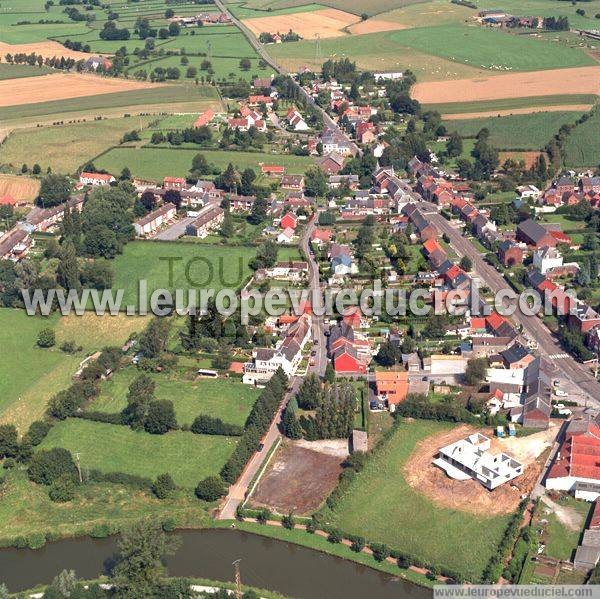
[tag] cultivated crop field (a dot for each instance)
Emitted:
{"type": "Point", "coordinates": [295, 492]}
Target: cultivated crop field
{"type": "Point", "coordinates": [62, 86]}
{"type": "Point", "coordinates": [583, 145]}
{"type": "Point", "coordinates": [194, 265]}
{"type": "Point", "coordinates": [520, 132]}
{"type": "Point", "coordinates": [114, 448]}
{"type": "Point", "coordinates": [20, 188]}
{"type": "Point", "coordinates": [155, 163]}
{"type": "Point", "coordinates": [65, 147]}
{"type": "Point", "coordinates": [227, 399]}
{"type": "Point", "coordinates": [380, 496]}
{"type": "Point", "coordinates": [10, 71]}
{"type": "Point", "coordinates": [166, 97]}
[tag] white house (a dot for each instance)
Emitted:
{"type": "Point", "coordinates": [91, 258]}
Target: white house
{"type": "Point", "coordinates": [96, 179]}
{"type": "Point", "coordinates": [471, 458]}
{"type": "Point", "coordinates": [286, 235]}
{"type": "Point", "coordinates": [287, 355]}
{"type": "Point", "coordinates": [547, 258]}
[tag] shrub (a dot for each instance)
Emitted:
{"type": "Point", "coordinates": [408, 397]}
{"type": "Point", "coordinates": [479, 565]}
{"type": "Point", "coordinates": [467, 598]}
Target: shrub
{"type": "Point", "coordinates": [358, 543]}
{"type": "Point", "coordinates": [62, 490]}
{"type": "Point", "coordinates": [210, 489]}
{"type": "Point", "coordinates": [335, 536]}
{"type": "Point", "coordinates": [380, 551]}
{"type": "Point", "coordinates": [46, 338]}
{"type": "Point", "coordinates": [160, 418]}
{"type": "Point", "coordinates": [288, 522]}
{"type": "Point", "coordinates": [121, 478]}
{"type": "Point", "coordinates": [8, 464]}
{"type": "Point", "coordinates": [207, 425]}
{"type": "Point", "coordinates": [37, 431]}
{"type": "Point", "coordinates": [49, 465]}
{"type": "Point", "coordinates": [163, 486]}
{"type": "Point", "coordinates": [100, 531]}
{"type": "Point", "coordinates": [263, 516]}
{"type": "Point", "coordinates": [36, 540]}
{"type": "Point", "coordinates": [9, 441]}
{"type": "Point", "coordinates": [169, 525]}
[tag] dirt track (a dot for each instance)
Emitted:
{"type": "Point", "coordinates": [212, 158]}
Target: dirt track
{"type": "Point", "coordinates": [46, 49]}
{"type": "Point", "coordinates": [327, 23]}
{"type": "Point", "coordinates": [583, 80]}
{"type": "Point", "coordinates": [530, 110]}
{"type": "Point", "coordinates": [469, 495]}
{"type": "Point", "coordinates": [61, 86]}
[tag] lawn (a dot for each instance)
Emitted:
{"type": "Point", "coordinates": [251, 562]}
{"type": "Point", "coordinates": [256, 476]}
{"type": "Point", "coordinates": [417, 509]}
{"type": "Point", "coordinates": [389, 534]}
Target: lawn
{"type": "Point", "coordinates": [582, 148]}
{"type": "Point", "coordinates": [30, 376]}
{"type": "Point", "coordinates": [223, 398]}
{"type": "Point", "coordinates": [65, 148]}
{"type": "Point", "coordinates": [156, 163]}
{"type": "Point", "coordinates": [516, 132]}
{"type": "Point", "coordinates": [382, 507]}
{"type": "Point", "coordinates": [167, 94]}
{"type": "Point", "coordinates": [560, 540]}
{"type": "Point", "coordinates": [490, 49]}
{"type": "Point", "coordinates": [26, 509]}
{"type": "Point", "coordinates": [194, 265]}
{"type": "Point", "coordinates": [112, 448]}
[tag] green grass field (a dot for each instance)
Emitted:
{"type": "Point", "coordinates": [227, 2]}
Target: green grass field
{"type": "Point", "coordinates": [382, 507]}
{"type": "Point", "coordinates": [194, 265]}
{"type": "Point", "coordinates": [223, 398]}
{"type": "Point", "coordinates": [26, 508]}
{"type": "Point", "coordinates": [583, 145]}
{"type": "Point", "coordinates": [65, 147]}
{"type": "Point", "coordinates": [18, 71]}
{"type": "Point", "coordinates": [490, 48]}
{"type": "Point", "coordinates": [516, 132]}
{"type": "Point", "coordinates": [30, 376]}
{"type": "Point", "coordinates": [112, 448]}
{"type": "Point", "coordinates": [166, 94]}
{"type": "Point", "coordinates": [156, 163]}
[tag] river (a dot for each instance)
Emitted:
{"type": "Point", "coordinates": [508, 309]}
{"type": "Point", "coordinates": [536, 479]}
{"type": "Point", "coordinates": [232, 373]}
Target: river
{"type": "Point", "coordinates": [290, 569]}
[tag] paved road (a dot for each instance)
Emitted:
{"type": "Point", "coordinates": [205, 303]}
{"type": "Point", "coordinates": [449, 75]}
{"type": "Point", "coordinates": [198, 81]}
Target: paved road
{"type": "Point", "coordinates": [329, 122]}
{"type": "Point", "coordinates": [176, 230]}
{"type": "Point", "coordinates": [237, 492]}
{"type": "Point", "coordinates": [548, 345]}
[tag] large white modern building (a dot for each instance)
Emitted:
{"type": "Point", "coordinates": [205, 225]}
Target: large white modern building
{"type": "Point", "coordinates": [471, 458]}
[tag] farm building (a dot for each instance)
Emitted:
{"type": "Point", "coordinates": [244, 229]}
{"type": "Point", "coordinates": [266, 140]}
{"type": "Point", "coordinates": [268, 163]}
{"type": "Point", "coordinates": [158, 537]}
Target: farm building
{"type": "Point", "coordinates": [533, 234]}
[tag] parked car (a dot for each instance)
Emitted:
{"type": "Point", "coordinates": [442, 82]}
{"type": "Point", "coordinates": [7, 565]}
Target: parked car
{"type": "Point", "coordinates": [560, 393]}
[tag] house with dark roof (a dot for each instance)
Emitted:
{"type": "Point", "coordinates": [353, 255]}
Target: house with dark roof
{"type": "Point", "coordinates": [533, 234]}
{"type": "Point", "coordinates": [516, 356]}
{"type": "Point", "coordinates": [510, 253]}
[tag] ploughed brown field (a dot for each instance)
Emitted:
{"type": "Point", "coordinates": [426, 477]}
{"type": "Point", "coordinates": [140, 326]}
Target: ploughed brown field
{"type": "Point", "coordinates": [20, 188]}
{"type": "Point", "coordinates": [509, 111]}
{"type": "Point", "coordinates": [46, 49]}
{"type": "Point", "coordinates": [297, 480]}
{"type": "Point", "coordinates": [581, 80]}
{"type": "Point", "coordinates": [30, 90]}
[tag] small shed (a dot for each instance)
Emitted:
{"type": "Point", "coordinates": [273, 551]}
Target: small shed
{"type": "Point", "coordinates": [360, 441]}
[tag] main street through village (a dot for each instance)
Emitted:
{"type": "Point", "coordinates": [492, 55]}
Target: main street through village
{"type": "Point", "coordinates": [578, 374]}
{"type": "Point", "coordinates": [239, 491]}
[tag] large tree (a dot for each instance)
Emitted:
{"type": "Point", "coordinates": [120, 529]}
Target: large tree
{"type": "Point", "coordinates": [54, 190]}
{"type": "Point", "coordinates": [139, 570]}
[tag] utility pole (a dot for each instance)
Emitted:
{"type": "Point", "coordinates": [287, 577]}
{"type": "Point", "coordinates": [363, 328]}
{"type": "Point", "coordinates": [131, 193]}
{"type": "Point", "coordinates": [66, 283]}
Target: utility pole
{"type": "Point", "coordinates": [238, 579]}
{"type": "Point", "coordinates": [77, 458]}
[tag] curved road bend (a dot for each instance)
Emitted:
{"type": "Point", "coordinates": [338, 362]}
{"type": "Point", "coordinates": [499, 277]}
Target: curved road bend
{"type": "Point", "coordinates": [548, 345]}
{"type": "Point", "coordinates": [237, 491]}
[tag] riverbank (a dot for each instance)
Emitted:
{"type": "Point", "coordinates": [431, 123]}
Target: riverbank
{"type": "Point", "coordinates": [266, 561]}
{"type": "Point", "coordinates": [318, 542]}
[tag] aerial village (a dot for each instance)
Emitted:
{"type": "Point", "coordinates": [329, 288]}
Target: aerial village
{"type": "Point", "coordinates": [520, 391]}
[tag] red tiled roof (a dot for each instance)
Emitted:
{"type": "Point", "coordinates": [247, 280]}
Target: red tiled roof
{"type": "Point", "coordinates": [8, 200]}
{"type": "Point", "coordinates": [561, 237]}
{"type": "Point", "coordinates": [494, 320]}
{"type": "Point", "coordinates": [205, 118]}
